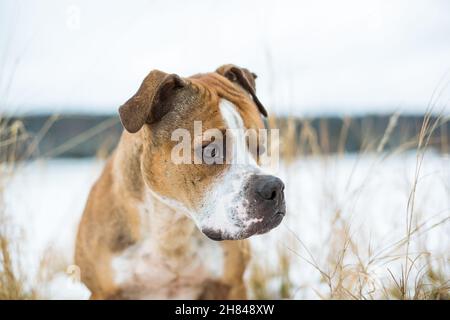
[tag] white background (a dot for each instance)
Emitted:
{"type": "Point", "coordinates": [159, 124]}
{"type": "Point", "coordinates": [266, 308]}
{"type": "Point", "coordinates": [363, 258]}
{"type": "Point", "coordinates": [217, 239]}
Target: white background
{"type": "Point", "coordinates": [312, 57]}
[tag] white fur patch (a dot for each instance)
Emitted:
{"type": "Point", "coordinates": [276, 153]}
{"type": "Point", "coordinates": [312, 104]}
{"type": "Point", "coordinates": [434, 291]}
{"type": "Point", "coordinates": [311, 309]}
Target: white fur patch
{"type": "Point", "coordinates": [148, 270]}
{"type": "Point", "coordinates": [225, 206]}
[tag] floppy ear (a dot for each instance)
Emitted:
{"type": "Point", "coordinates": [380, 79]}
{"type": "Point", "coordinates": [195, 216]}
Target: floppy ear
{"type": "Point", "coordinates": [149, 104]}
{"type": "Point", "coordinates": [245, 79]}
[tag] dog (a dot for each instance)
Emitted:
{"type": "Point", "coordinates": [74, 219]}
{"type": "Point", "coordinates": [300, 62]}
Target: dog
{"type": "Point", "coordinates": [148, 226]}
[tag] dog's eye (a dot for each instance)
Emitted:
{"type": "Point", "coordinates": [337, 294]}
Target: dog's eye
{"type": "Point", "coordinates": [213, 152]}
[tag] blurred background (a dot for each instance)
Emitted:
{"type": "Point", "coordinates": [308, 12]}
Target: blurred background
{"type": "Point", "coordinates": [359, 91]}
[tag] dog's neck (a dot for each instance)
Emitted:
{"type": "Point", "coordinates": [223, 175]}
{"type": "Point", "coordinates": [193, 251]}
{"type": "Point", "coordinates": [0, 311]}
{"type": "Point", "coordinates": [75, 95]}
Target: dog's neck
{"type": "Point", "coordinates": [169, 229]}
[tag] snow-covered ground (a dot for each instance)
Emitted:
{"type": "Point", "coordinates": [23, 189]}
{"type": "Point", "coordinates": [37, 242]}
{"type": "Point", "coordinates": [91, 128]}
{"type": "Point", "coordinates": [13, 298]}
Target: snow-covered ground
{"type": "Point", "coordinates": [367, 198]}
{"type": "Point", "coordinates": [368, 192]}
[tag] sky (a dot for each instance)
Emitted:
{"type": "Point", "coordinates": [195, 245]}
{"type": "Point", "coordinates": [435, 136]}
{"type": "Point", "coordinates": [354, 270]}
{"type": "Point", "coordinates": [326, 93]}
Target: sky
{"type": "Point", "coordinates": [311, 57]}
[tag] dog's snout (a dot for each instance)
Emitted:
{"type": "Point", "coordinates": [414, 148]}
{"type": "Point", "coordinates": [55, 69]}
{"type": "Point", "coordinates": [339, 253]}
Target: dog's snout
{"type": "Point", "coordinates": [266, 205]}
{"type": "Point", "coordinates": [270, 188]}
{"type": "Point", "coordinates": [266, 192]}
{"type": "Point", "coordinates": [261, 209]}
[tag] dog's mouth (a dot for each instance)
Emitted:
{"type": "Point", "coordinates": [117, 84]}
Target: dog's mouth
{"type": "Point", "coordinates": [270, 223]}
{"type": "Point", "coordinates": [216, 235]}
{"type": "Point", "coordinates": [256, 228]}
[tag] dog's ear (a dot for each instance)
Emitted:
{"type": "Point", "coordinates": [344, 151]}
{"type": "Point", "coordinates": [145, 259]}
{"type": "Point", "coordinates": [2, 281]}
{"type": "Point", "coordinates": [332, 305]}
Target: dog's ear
{"type": "Point", "coordinates": [150, 103]}
{"type": "Point", "coordinates": [245, 79]}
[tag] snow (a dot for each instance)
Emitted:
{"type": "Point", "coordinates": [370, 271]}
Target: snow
{"type": "Point", "coordinates": [46, 199]}
{"type": "Point", "coordinates": [371, 195]}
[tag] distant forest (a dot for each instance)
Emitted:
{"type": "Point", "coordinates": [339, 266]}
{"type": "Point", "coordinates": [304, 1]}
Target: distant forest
{"type": "Point", "coordinates": [77, 136]}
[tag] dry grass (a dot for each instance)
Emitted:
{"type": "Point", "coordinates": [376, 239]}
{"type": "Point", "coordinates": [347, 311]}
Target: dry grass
{"type": "Point", "coordinates": [12, 274]}
{"type": "Point", "coordinates": [346, 268]}
{"type": "Point", "coordinates": [13, 277]}
{"type": "Point", "coordinates": [346, 271]}
{"type": "Point", "coordinates": [261, 275]}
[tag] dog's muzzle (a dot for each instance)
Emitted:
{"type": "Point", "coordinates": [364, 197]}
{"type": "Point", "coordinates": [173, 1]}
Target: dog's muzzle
{"type": "Point", "coordinates": [264, 209]}
{"type": "Point", "coordinates": [267, 204]}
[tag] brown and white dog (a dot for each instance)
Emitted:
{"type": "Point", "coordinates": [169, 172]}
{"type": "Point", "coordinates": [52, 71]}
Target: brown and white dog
{"type": "Point", "coordinates": [142, 234]}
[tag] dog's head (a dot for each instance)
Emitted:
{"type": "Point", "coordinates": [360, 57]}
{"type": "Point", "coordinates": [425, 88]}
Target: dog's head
{"type": "Point", "coordinates": [227, 199]}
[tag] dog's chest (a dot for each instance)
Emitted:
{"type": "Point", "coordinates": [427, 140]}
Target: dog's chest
{"type": "Point", "coordinates": [144, 272]}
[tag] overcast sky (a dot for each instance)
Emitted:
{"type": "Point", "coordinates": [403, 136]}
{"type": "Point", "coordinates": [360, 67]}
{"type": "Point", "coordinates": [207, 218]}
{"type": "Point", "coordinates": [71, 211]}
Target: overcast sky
{"type": "Point", "coordinates": [312, 57]}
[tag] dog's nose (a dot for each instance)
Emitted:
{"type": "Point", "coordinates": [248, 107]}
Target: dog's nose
{"type": "Point", "coordinates": [265, 195]}
{"type": "Point", "coordinates": [270, 188]}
